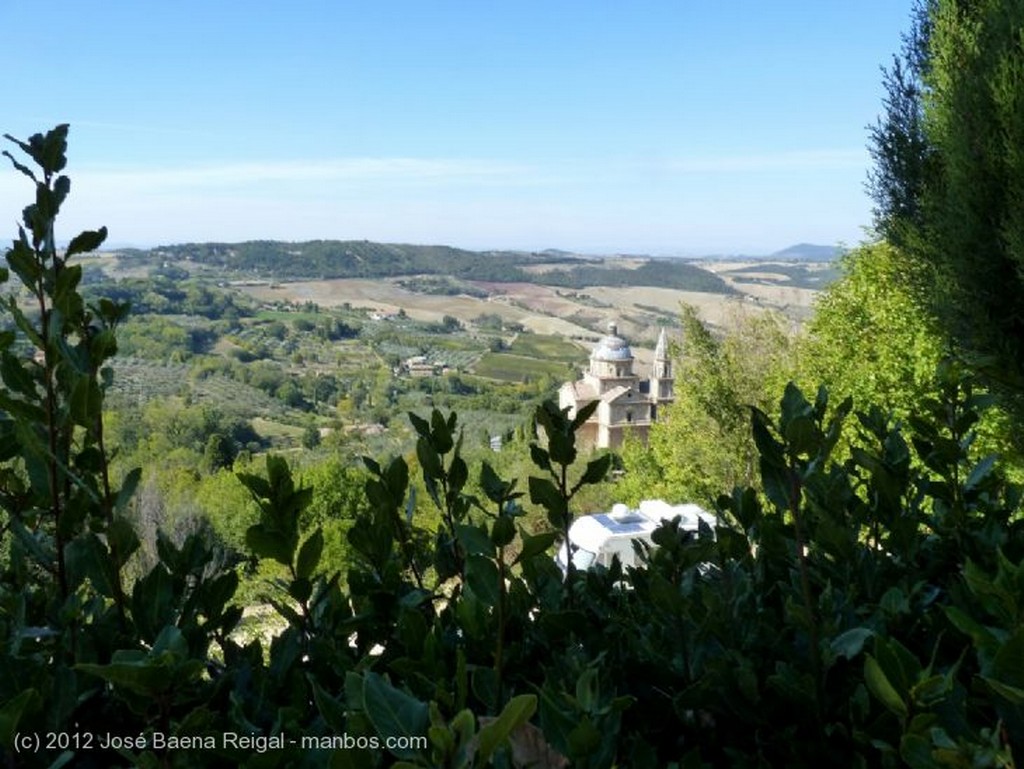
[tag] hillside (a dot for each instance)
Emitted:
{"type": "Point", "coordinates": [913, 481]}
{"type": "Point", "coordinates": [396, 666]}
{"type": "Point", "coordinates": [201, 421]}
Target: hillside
{"type": "Point", "coordinates": [329, 259]}
{"type": "Point", "coordinates": [807, 252]}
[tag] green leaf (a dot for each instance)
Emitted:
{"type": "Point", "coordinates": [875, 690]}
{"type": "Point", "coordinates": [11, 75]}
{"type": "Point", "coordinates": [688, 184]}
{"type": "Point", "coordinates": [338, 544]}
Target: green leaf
{"type": "Point", "coordinates": [556, 721]}
{"type": "Point", "coordinates": [485, 685]}
{"type": "Point", "coordinates": [1013, 694]}
{"type": "Point", "coordinates": [50, 150]}
{"type": "Point", "coordinates": [503, 531]}
{"type": "Point", "coordinates": [980, 472]}
{"type": "Point", "coordinates": [458, 473]}
{"type": "Point", "coordinates": [596, 470]}
{"type": "Point", "coordinates": [146, 678]}
{"type": "Point", "coordinates": [152, 599]}
{"type": "Point", "coordinates": [1008, 664]}
{"type": "Point", "coordinates": [86, 556]}
{"type": "Point", "coordinates": [332, 711]}
{"type": "Point", "coordinates": [535, 545]}
{"type": "Point", "coordinates": [86, 241]}
{"type": "Point", "coordinates": [916, 751]}
{"type": "Point", "coordinates": [309, 555]}
{"type": "Point", "coordinates": [27, 700]}
{"type": "Point", "coordinates": [584, 739]}
{"type": "Point", "coordinates": [482, 577]}
{"type": "Point", "coordinates": [801, 435]}
{"type": "Point", "coordinates": [122, 539]}
{"type": "Point", "coordinates": [562, 448]}
{"type": "Point", "coordinates": [881, 687]}
{"type": "Point", "coordinates": [794, 406]}
{"type": "Point", "coordinates": [441, 436]}
{"type": "Point", "coordinates": [517, 712]}
{"type": "Point", "coordinates": [300, 589]}
{"type": "Point", "coordinates": [170, 640]}
{"type": "Point", "coordinates": [768, 447]}
{"type": "Point", "coordinates": [65, 291]}
{"type": "Point", "coordinates": [931, 691]}
{"type": "Point", "coordinates": [982, 636]}
{"type": "Point", "coordinates": [586, 689]}
{"type": "Point", "coordinates": [420, 424]}
{"type": "Point", "coordinates": [16, 376]}
{"type": "Point", "coordinates": [19, 166]}
{"type": "Point", "coordinates": [474, 540]}
{"type": "Point", "coordinates": [86, 401]}
{"type": "Point", "coordinates": [777, 484]}
{"type": "Point", "coordinates": [257, 486]}
{"type": "Point", "coordinates": [540, 457]}
{"type": "Point", "coordinates": [23, 323]}
{"type": "Point", "coordinates": [396, 478]}
{"type": "Point", "coordinates": [584, 413]}
{"type": "Point", "coordinates": [394, 714]}
{"type": "Point", "coordinates": [429, 459]}
{"type": "Point", "coordinates": [265, 544]}
{"type": "Point", "coordinates": [850, 643]}
{"type": "Point", "coordinates": [493, 486]}
{"type": "Point", "coordinates": [543, 492]}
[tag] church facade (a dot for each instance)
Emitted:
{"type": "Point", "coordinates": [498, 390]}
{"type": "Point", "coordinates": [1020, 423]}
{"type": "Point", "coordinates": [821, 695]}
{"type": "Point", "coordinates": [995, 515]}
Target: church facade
{"type": "Point", "coordinates": [626, 403]}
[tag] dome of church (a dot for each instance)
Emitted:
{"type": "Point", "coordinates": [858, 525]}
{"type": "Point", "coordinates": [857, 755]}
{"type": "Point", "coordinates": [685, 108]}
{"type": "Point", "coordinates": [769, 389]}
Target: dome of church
{"type": "Point", "coordinates": [612, 347]}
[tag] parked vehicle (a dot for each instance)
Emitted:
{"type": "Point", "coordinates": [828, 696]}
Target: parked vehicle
{"type": "Point", "coordinates": [600, 537]}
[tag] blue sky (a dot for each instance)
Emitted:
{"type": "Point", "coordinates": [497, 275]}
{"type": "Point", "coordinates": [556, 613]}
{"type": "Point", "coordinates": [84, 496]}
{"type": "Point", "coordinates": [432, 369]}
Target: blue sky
{"type": "Point", "coordinates": [661, 127]}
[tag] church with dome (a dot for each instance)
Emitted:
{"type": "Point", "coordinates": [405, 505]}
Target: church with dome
{"type": "Point", "coordinates": [626, 403]}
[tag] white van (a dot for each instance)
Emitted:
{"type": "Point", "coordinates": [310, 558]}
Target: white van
{"type": "Point", "coordinates": [599, 538]}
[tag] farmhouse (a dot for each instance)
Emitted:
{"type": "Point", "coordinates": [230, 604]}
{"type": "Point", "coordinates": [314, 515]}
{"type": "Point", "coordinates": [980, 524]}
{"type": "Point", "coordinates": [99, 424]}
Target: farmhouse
{"type": "Point", "coordinates": [419, 366]}
{"type": "Point", "coordinates": [626, 402]}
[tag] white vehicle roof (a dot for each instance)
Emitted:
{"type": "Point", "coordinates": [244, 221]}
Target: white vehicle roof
{"type": "Point", "coordinates": [592, 532]}
{"type": "Point", "coordinates": [690, 514]}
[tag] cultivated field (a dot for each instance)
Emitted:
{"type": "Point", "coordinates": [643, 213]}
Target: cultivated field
{"type": "Point", "coordinates": [581, 315]}
{"type": "Point", "coordinates": [537, 308]}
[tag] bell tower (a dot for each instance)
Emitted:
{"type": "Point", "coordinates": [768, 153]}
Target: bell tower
{"type": "Point", "coordinates": [661, 376]}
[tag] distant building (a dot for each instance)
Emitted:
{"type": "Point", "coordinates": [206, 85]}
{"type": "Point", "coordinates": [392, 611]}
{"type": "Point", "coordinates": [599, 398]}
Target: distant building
{"type": "Point", "coordinates": [626, 402]}
{"type": "Point", "coordinates": [419, 366]}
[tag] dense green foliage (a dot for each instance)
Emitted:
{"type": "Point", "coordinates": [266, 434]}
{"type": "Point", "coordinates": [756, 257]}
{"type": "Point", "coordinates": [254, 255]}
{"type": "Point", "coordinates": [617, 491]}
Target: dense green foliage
{"type": "Point", "coordinates": [701, 443]}
{"type": "Point", "coordinates": [872, 336]}
{"type": "Point", "coordinates": [948, 178]}
{"type": "Point", "coordinates": [660, 273]}
{"type": "Point", "coordinates": [161, 295]}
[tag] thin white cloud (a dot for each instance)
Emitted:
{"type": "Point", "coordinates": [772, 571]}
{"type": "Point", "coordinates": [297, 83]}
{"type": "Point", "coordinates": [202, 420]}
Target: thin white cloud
{"type": "Point", "coordinates": [796, 160]}
{"type": "Point", "coordinates": [653, 202]}
{"type": "Point", "coordinates": [362, 170]}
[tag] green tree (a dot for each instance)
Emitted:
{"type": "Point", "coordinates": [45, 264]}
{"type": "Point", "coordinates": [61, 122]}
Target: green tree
{"type": "Point", "coordinates": [218, 453]}
{"type": "Point", "coordinates": [872, 337]}
{"type": "Point", "coordinates": [949, 179]}
{"type": "Point", "coordinates": [311, 436]}
{"type": "Point", "coordinates": [701, 446]}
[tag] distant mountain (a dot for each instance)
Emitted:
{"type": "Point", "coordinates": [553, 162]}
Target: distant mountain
{"type": "Point", "coordinates": [808, 252]}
